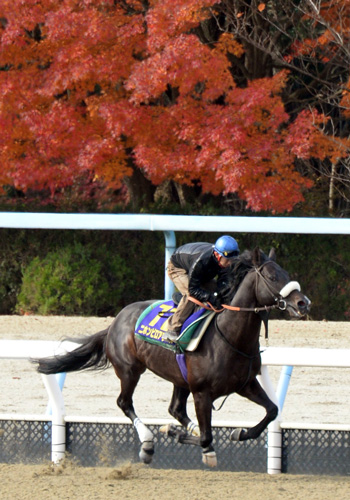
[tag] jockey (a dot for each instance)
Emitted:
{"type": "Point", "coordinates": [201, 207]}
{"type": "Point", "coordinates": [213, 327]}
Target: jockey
{"type": "Point", "coordinates": [192, 268]}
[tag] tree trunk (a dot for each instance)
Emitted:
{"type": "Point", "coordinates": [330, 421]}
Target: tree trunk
{"type": "Point", "coordinates": [331, 190]}
{"type": "Point", "coordinates": [141, 190]}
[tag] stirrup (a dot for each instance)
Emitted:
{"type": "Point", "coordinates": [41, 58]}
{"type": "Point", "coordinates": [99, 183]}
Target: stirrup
{"type": "Point", "coordinates": [171, 336]}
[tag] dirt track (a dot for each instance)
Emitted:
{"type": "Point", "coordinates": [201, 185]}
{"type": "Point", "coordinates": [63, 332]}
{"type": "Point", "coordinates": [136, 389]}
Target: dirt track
{"type": "Point", "coordinates": [135, 482]}
{"type": "Point", "coordinates": [315, 395]}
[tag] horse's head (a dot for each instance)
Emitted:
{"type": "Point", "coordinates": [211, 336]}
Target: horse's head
{"type": "Point", "coordinates": [273, 286]}
{"type": "Point", "coordinates": [271, 283]}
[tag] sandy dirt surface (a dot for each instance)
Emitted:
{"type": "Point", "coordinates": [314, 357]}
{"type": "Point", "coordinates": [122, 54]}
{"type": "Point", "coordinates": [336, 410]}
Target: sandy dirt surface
{"type": "Point", "coordinates": [315, 396]}
{"type": "Point", "coordinates": [135, 482]}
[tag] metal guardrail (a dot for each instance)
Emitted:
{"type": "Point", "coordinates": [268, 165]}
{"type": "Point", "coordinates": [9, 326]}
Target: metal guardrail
{"type": "Point", "coordinates": [103, 442]}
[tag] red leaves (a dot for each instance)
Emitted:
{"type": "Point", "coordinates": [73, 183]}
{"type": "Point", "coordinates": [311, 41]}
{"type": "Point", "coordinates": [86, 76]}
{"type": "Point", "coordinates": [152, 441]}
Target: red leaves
{"type": "Point", "coordinates": [168, 19]}
{"type": "Point", "coordinates": [306, 138]}
{"type": "Point", "coordinates": [233, 148]}
{"type": "Point", "coordinates": [102, 83]}
{"type": "Point", "coordinates": [183, 63]}
{"type": "Point", "coordinates": [345, 101]}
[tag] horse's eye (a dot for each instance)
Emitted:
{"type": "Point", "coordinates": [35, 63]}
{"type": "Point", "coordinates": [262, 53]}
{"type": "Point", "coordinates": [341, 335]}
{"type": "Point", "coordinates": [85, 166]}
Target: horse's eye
{"type": "Point", "coordinates": [272, 278]}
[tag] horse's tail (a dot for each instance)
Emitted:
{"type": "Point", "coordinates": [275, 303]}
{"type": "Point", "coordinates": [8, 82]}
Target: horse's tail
{"type": "Point", "coordinates": [91, 353]}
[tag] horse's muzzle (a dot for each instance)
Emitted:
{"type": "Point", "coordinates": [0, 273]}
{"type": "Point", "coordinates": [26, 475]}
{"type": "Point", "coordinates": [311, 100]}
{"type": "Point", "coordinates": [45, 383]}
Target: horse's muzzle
{"type": "Point", "coordinates": [298, 304]}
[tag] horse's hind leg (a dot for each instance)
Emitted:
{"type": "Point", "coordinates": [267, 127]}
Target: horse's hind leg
{"type": "Point", "coordinates": [129, 382]}
{"type": "Point", "coordinates": [203, 404]}
{"type": "Point", "coordinates": [178, 410]}
{"type": "Point", "coordinates": [254, 392]}
{"type": "Point", "coordinates": [203, 438]}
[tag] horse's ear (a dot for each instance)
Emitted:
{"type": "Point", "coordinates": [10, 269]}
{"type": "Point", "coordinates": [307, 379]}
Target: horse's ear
{"type": "Point", "coordinates": [272, 254]}
{"type": "Point", "coordinates": [256, 256]}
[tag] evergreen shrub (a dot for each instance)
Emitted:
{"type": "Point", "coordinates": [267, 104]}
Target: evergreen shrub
{"type": "Point", "coordinates": [73, 280]}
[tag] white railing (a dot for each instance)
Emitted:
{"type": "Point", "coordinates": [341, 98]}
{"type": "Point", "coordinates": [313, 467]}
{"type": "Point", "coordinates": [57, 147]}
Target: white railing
{"type": "Point", "coordinates": [171, 223]}
{"type": "Point", "coordinates": [288, 357]}
{"type": "Point", "coordinates": [162, 222]}
{"type": "Point", "coordinates": [271, 356]}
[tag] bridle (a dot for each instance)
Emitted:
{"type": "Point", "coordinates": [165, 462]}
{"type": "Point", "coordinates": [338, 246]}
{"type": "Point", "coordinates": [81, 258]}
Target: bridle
{"type": "Point", "coordinates": [278, 296]}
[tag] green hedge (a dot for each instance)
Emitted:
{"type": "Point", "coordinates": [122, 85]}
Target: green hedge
{"type": "Point", "coordinates": [77, 272]}
{"type": "Point", "coordinates": [71, 279]}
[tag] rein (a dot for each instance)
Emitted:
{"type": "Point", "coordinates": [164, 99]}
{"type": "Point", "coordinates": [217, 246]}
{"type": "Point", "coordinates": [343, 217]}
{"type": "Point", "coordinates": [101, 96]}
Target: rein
{"type": "Point", "coordinates": [252, 309]}
{"type": "Point", "coordinates": [210, 307]}
{"type": "Point", "coordinates": [263, 311]}
{"type": "Point", "coordinates": [280, 303]}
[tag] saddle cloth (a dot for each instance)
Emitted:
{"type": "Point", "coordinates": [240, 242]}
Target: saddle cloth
{"type": "Point", "coordinates": [153, 323]}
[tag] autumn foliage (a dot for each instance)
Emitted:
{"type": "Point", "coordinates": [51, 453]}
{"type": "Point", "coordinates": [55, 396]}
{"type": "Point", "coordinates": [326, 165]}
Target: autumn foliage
{"type": "Point", "coordinates": [106, 87]}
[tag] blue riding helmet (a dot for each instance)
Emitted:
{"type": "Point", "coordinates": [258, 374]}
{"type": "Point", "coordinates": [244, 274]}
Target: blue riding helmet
{"type": "Point", "coordinates": [227, 247]}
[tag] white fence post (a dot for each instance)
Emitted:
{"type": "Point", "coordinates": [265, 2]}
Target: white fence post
{"type": "Point", "coordinates": [274, 431]}
{"type": "Point", "coordinates": [170, 247]}
{"type": "Point", "coordinates": [58, 443]}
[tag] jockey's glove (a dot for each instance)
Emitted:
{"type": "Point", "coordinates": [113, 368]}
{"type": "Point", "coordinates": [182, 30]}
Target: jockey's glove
{"type": "Point", "coordinates": [214, 300]}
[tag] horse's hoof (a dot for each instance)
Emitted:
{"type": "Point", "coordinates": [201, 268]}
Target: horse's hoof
{"type": "Point", "coordinates": [145, 456]}
{"type": "Point", "coordinates": [169, 429]}
{"type": "Point", "coordinates": [209, 458]}
{"type": "Point", "coordinates": [146, 452]}
{"type": "Point", "coordinates": [164, 429]}
{"type": "Point", "coordinates": [236, 435]}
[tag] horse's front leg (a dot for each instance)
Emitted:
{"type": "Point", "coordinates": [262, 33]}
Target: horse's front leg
{"type": "Point", "coordinates": [203, 406]}
{"type": "Point", "coordinates": [254, 392]}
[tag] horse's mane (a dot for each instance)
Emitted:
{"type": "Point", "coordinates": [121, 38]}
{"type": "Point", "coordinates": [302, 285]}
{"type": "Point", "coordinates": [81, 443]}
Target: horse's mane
{"type": "Point", "coordinates": [238, 271]}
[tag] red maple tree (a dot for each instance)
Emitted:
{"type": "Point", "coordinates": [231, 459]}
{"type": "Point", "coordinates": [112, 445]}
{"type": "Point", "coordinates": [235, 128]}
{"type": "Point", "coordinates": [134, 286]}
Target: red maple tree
{"type": "Point", "coordinates": [105, 87]}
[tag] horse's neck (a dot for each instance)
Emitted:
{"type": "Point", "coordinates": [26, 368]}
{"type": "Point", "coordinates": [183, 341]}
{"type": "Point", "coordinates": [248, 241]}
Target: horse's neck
{"type": "Point", "coordinates": [242, 327]}
{"type": "Point", "coordinates": [245, 295]}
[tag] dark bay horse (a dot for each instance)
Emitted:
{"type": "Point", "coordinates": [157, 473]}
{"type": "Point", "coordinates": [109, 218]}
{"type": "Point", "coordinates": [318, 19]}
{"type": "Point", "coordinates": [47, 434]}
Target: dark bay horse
{"type": "Point", "coordinates": [227, 359]}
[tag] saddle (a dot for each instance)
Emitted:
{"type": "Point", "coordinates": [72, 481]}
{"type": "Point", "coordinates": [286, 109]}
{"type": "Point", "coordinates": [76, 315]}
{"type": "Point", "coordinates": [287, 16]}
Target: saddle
{"type": "Point", "coordinates": [153, 323]}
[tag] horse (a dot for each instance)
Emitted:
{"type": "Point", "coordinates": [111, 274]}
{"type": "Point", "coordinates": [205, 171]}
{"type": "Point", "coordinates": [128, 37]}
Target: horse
{"type": "Point", "coordinates": [227, 359]}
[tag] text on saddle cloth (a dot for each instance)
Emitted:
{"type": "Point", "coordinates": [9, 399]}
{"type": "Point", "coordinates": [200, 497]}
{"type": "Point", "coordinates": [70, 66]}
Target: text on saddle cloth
{"type": "Point", "coordinates": [153, 323]}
